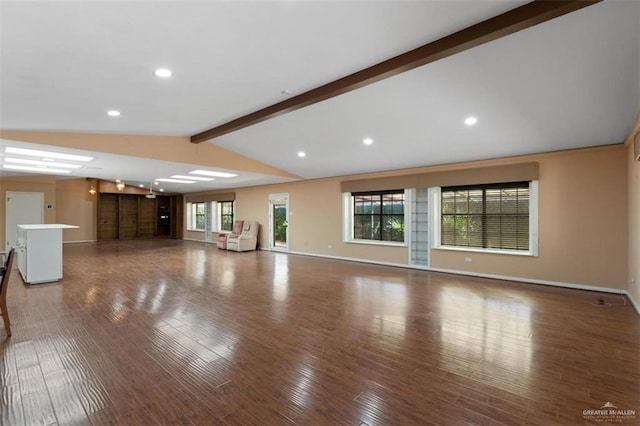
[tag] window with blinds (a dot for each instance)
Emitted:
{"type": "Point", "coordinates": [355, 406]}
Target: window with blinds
{"type": "Point", "coordinates": [492, 216]}
{"type": "Point", "coordinates": [225, 219]}
{"type": "Point", "coordinates": [196, 216]}
{"type": "Point", "coordinates": [378, 215]}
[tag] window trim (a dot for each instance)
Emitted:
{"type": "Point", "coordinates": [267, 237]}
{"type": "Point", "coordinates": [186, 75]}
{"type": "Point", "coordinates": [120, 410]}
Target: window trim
{"type": "Point", "coordinates": [347, 222]}
{"type": "Point", "coordinates": [192, 217]}
{"type": "Point", "coordinates": [219, 216]}
{"type": "Point", "coordinates": [436, 241]}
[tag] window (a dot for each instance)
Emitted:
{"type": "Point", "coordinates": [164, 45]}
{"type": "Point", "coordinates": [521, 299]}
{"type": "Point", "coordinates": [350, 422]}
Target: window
{"type": "Point", "coordinates": [495, 216]}
{"type": "Point", "coordinates": [225, 215]}
{"type": "Point", "coordinates": [196, 216]}
{"type": "Point", "coordinates": [379, 215]}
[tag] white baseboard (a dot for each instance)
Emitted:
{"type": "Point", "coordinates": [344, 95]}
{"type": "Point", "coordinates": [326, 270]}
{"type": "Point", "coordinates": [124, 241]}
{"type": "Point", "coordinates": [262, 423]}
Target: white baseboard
{"type": "Point", "coordinates": [200, 241]}
{"type": "Point", "coordinates": [79, 241]}
{"type": "Point", "coordinates": [634, 302]}
{"type": "Point", "coordinates": [481, 275]}
{"type": "Point", "coordinates": [192, 239]}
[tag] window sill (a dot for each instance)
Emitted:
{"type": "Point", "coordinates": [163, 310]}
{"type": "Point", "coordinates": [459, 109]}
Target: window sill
{"type": "Point", "coordinates": [490, 251]}
{"type": "Point", "coordinates": [195, 230]}
{"type": "Point", "coordinates": [376, 243]}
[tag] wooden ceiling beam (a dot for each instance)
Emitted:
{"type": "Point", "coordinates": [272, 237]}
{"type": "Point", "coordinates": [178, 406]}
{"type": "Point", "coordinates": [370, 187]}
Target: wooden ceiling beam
{"type": "Point", "coordinates": [515, 20]}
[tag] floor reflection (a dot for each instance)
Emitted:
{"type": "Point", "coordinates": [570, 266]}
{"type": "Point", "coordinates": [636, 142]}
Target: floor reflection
{"type": "Point", "coordinates": [280, 277]}
{"type": "Point", "coordinates": [90, 295]}
{"type": "Point", "coordinates": [280, 286]}
{"type": "Point", "coordinates": [195, 263]}
{"type": "Point", "coordinates": [156, 302]}
{"type": "Point", "coordinates": [304, 382]}
{"type": "Point", "coordinates": [494, 333]}
{"type": "Point", "coordinates": [227, 280]}
{"type": "Point", "coordinates": [174, 332]}
{"type": "Point", "coordinates": [386, 302]}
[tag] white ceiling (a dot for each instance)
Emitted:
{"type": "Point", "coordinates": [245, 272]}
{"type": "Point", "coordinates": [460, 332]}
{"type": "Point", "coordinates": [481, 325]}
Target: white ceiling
{"type": "Point", "coordinates": [568, 83]}
{"type": "Point", "coordinates": [137, 171]}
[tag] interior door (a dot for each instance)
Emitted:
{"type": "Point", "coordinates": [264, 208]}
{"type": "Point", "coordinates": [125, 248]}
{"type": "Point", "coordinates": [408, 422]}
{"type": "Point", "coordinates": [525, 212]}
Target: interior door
{"type": "Point", "coordinates": [279, 222]}
{"type": "Point", "coordinates": [22, 208]}
{"type": "Point", "coordinates": [128, 218]}
{"type": "Point", "coordinates": [108, 217]}
{"type": "Point", "coordinates": [146, 217]}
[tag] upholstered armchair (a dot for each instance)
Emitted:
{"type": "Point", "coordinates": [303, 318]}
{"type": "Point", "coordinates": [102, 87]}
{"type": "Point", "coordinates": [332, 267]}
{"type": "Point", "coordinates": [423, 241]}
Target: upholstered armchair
{"type": "Point", "coordinates": [248, 238]}
{"type": "Point", "coordinates": [222, 238]}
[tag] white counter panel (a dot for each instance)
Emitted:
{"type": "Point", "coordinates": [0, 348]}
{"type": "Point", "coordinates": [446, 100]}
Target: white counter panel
{"type": "Point", "coordinates": [39, 252]}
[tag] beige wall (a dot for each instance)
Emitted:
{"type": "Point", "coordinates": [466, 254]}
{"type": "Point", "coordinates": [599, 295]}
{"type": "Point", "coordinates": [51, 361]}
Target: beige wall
{"type": "Point", "coordinates": [634, 221]}
{"type": "Point", "coordinates": [582, 222]}
{"type": "Point", "coordinates": [315, 222]}
{"type": "Point", "coordinates": [166, 148]}
{"type": "Point", "coordinates": [584, 219]}
{"type": "Point", "coordinates": [70, 198]}
{"type": "Point", "coordinates": [75, 206]}
{"type": "Point", "coordinates": [44, 184]}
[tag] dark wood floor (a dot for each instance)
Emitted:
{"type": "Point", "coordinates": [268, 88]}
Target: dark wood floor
{"type": "Point", "coordinates": [174, 332]}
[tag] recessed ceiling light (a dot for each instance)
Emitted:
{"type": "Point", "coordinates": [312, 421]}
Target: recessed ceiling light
{"type": "Point", "coordinates": [41, 163]}
{"type": "Point", "coordinates": [161, 190]}
{"type": "Point", "coordinates": [367, 141]}
{"type": "Point", "coordinates": [203, 179]}
{"type": "Point", "coordinates": [470, 121]}
{"type": "Point", "coordinates": [175, 180]}
{"type": "Point", "coordinates": [216, 174]}
{"type": "Point", "coordinates": [301, 154]}
{"type": "Point", "coordinates": [141, 186]}
{"type": "Point", "coordinates": [37, 169]}
{"type": "Point", "coordinates": [156, 183]}
{"type": "Point", "coordinates": [286, 92]}
{"type": "Point", "coordinates": [163, 73]}
{"type": "Point", "coordinates": [113, 113]}
{"type": "Point", "coordinates": [46, 154]}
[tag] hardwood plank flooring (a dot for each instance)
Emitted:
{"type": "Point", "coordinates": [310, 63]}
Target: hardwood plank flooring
{"type": "Point", "coordinates": [178, 332]}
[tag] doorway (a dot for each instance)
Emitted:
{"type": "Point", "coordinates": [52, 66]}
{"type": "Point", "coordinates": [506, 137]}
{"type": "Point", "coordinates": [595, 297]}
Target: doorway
{"type": "Point", "coordinates": [279, 222]}
{"type": "Point", "coordinates": [22, 208]}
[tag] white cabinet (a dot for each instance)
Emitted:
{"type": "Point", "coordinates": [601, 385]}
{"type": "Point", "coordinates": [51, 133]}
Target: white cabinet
{"type": "Point", "coordinates": [39, 252]}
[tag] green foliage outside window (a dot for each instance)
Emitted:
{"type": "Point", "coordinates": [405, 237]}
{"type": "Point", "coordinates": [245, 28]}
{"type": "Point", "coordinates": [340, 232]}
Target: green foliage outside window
{"type": "Point", "coordinates": [199, 215]}
{"type": "Point", "coordinates": [226, 215]}
{"type": "Point", "coordinates": [379, 216]}
{"type": "Point", "coordinates": [280, 220]}
{"type": "Point", "coordinates": [489, 216]}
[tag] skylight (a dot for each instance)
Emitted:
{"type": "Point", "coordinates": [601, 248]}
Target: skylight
{"type": "Point", "coordinates": [208, 173]}
{"type": "Point", "coordinates": [35, 169]}
{"type": "Point", "coordinates": [41, 163]}
{"type": "Point", "coordinates": [46, 154]}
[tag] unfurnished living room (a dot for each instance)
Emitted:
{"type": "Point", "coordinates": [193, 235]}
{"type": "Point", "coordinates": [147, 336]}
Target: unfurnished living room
{"type": "Point", "coordinates": [320, 212]}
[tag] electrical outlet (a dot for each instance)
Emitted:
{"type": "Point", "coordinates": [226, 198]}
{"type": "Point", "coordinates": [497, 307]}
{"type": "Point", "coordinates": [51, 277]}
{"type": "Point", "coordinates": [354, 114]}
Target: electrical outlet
{"type": "Point", "coordinates": [467, 259]}
{"type": "Point", "coordinates": [329, 246]}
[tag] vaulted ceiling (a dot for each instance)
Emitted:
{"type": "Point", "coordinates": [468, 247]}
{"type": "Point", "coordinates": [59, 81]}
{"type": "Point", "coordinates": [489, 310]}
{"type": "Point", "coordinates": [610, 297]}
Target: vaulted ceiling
{"type": "Point", "coordinates": [570, 82]}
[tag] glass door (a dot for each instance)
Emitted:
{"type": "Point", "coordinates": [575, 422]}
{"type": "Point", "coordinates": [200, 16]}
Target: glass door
{"type": "Point", "coordinates": [279, 222]}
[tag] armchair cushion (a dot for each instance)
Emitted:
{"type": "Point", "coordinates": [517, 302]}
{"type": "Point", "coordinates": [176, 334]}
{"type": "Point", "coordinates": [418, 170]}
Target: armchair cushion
{"type": "Point", "coordinates": [222, 238]}
{"type": "Point", "coordinates": [248, 238]}
{"type": "Point", "coordinates": [222, 241]}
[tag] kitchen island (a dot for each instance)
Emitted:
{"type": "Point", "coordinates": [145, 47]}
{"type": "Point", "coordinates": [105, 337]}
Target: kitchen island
{"type": "Point", "coordinates": [39, 252]}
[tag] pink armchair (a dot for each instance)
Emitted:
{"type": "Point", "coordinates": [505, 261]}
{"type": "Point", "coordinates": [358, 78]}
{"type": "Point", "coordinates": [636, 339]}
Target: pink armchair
{"type": "Point", "coordinates": [222, 238]}
{"type": "Point", "coordinates": [247, 240]}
